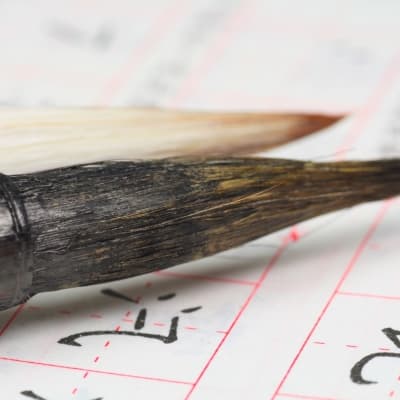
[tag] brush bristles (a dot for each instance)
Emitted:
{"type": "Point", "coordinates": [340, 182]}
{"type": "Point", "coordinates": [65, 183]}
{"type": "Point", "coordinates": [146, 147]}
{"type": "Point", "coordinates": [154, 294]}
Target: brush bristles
{"type": "Point", "coordinates": [39, 139]}
{"type": "Point", "coordinates": [115, 220]}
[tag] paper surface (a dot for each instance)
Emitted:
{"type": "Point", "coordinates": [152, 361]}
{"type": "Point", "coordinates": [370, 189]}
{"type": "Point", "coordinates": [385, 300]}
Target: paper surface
{"type": "Point", "coordinates": [291, 316]}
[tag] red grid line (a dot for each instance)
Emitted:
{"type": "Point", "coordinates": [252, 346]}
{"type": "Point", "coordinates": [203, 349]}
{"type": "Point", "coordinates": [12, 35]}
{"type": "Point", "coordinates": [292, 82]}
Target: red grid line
{"type": "Point", "coordinates": [363, 244]}
{"type": "Point", "coordinates": [254, 291]}
{"type": "Point", "coordinates": [369, 295]}
{"type": "Point", "coordinates": [358, 128]}
{"type": "Point", "coordinates": [96, 371]}
{"type": "Point", "coordinates": [12, 319]}
{"type": "Point", "coordinates": [260, 281]}
{"type": "Point", "coordinates": [350, 346]}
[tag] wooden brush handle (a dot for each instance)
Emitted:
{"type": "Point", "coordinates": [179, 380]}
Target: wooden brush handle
{"type": "Point", "coordinates": [15, 252]}
{"type": "Point", "coordinates": [100, 222]}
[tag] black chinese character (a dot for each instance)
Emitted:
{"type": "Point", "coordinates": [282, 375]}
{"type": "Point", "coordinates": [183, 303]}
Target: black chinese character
{"type": "Point", "coordinates": [356, 372]}
{"type": "Point", "coordinates": [140, 322]}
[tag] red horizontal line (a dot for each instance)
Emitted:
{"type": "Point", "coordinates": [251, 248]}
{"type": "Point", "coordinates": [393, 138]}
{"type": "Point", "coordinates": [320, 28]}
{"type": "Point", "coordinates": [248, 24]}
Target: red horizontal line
{"type": "Point", "coordinates": [371, 295]}
{"type": "Point", "coordinates": [96, 371]}
{"type": "Point", "coordinates": [319, 342]}
{"type": "Point", "coordinates": [351, 346]}
{"type": "Point", "coordinates": [243, 307]}
{"type": "Point", "coordinates": [304, 397]}
{"type": "Point", "coordinates": [207, 278]}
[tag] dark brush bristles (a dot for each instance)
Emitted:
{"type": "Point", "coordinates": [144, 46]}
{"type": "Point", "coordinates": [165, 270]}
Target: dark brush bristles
{"type": "Point", "coordinates": [96, 223]}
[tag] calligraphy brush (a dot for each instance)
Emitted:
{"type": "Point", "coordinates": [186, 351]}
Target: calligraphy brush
{"type": "Point", "coordinates": [40, 139]}
{"type": "Point", "coordinates": [87, 224]}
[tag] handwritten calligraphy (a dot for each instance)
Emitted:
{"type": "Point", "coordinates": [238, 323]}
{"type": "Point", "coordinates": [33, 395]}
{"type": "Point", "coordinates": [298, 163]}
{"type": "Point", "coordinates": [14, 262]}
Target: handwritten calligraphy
{"type": "Point", "coordinates": [356, 373]}
{"type": "Point", "coordinates": [140, 322]}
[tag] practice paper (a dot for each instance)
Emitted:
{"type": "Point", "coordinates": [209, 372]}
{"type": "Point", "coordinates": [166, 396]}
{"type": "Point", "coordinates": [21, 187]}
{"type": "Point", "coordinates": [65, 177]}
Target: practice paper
{"type": "Point", "coordinates": [310, 312]}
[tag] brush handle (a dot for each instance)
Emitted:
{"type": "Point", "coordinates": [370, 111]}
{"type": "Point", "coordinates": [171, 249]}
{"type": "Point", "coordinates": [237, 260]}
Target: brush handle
{"type": "Point", "coordinates": [15, 252]}
{"type": "Point", "coordinates": [95, 223]}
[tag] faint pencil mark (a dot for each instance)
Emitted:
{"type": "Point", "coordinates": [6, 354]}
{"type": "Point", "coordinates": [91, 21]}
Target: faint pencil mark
{"type": "Point", "coordinates": [356, 373]}
{"type": "Point", "coordinates": [72, 34]}
{"type": "Point", "coordinates": [65, 32]}
{"type": "Point", "coordinates": [104, 37]}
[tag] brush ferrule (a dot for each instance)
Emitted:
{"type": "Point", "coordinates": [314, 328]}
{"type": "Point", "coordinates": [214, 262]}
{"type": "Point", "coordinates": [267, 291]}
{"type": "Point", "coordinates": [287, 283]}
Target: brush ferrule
{"type": "Point", "coordinates": [15, 252]}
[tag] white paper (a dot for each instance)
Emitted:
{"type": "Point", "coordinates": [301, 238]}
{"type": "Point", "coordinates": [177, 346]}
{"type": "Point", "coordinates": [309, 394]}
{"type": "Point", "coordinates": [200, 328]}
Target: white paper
{"type": "Point", "coordinates": [285, 317]}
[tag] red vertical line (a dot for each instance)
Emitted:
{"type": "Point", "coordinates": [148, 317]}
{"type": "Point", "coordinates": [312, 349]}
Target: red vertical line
{"type": "Point", "coordinates": [360, 123]}
{"type": "Point", "coordinates": [12, 318]}
{"type": "Point", "coordinates": [161, 25]}
{"type": "Point", "coordinates": [222, 40]}
{"type": "Point", "coordinates": [353, 261]}
{"type": "Point", "coordinates": [253, 292]}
